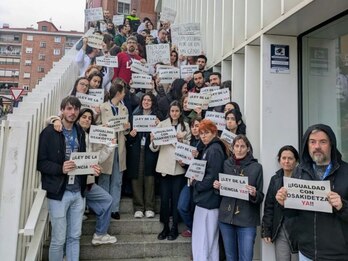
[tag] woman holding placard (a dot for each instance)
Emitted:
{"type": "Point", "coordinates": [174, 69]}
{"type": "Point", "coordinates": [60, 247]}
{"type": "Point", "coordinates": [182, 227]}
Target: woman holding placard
{"type": "Point", "coordinates": [238, 218]}
{"type": "Point", "coordinates": [274, 223]}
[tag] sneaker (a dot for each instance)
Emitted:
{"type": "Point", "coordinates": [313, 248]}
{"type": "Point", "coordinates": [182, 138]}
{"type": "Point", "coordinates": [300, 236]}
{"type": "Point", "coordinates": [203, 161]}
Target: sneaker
{"type": "Point", "coordinates": [103, 239]}
{"type": "Point", "coordinates": [186, 233]}
{"type": "Point", "coordinates": [138, 214]}
{"type": "Point", "coordinates": [149, 214]}
{"type": "Point", "coordinates": [115, 215]}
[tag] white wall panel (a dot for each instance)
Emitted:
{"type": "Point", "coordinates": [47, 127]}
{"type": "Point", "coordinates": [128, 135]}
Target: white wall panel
{"type": "Point", "coordinates": [227, 26]}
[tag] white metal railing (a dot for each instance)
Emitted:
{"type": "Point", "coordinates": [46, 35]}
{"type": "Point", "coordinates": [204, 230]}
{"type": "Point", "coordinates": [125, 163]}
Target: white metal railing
{"type": "Point", "coordinates": [23, 205]}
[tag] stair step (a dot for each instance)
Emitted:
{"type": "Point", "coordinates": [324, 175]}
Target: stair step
{"type": "Point", "coordinates": [126, 205]}
{"type": "Point", "coordinates": [179, 258]}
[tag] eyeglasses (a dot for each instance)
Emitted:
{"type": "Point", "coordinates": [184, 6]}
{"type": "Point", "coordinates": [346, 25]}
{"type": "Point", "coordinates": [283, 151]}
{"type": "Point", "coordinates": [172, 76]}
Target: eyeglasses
{"type": "Point", "coordinates": [83, 84]}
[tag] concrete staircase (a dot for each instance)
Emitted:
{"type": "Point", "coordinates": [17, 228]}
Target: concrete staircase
{"type": "Point", "coordinates": [136, 240]}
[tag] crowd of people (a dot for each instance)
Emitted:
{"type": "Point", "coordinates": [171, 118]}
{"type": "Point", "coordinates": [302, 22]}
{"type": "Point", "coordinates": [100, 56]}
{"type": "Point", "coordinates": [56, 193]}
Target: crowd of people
{"type": "Point", "coordinates": [150, 169]}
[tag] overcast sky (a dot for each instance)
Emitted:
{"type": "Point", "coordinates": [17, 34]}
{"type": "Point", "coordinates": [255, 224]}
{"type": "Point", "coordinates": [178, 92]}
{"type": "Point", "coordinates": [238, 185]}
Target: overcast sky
{"type": "Point", "coordinates": [65, 14]}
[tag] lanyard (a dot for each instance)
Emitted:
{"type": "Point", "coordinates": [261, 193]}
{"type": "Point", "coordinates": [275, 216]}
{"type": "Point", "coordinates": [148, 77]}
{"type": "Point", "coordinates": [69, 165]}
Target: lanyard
{"type": "Point", "coordinates": [70, 137]}
{"type": "Point", "coordinates": [114, 109]}
{"type": "Point", "coordinates": [327, 171]}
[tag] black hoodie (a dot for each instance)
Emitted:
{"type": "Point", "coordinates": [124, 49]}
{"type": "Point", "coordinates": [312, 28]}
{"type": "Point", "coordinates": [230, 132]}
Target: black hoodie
{"type": "Point", "coordinates": [323, 236]}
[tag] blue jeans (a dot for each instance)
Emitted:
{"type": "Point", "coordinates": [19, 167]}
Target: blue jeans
{"type": "Point", "coordinates": [303, 258]}
{"type": "Point", "coordinates": [238, 242]}
{"type": "Point", "coordinates": [113, 183]}
{"type": "Point", "coordinates": [66, 221]}
{"type": "Point", "coordinates": [100, 202]}
{"type": "Point", "coordinates": [184, 207]}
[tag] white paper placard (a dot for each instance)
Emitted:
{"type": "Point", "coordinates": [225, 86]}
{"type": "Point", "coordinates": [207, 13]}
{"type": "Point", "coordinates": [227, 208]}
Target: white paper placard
{"type": "Point", "coordinates": [187, 70]}
{"type": "Point", "coordinates": [138, 67]}
{"type": "Point", "coordinates": [189, 29]}
{"type": "Point", "coordinates": [158, 53]}
{"type": "Point", "coordinates": [227, 136]}
{"type": "Point", "coordinates": [89, 101]}
{"type": "Point", "coordinates": [95, 41]}
{"type": "Point", "coordinates": [196, 169]}
{"type": "Point", "coordinates": [209, 89]}
{"type": "Point", "coordinates": [101, 135]}
{"type": "Point", "coordinates": [141, 81]}
{"type": "Point", "coordinates": [94, 14]}
{"type": "Point", "coordinates": [189, 45]}
{"type": "Point", "coordinates": [144, 123]}
{"type": "Point", "coordinates": [117, 122]}
{"type": "Point", "coordinates": [183, 152]}
{"type": "Point", "coordinates": [168, 14]}
{"type": "Point", "coordinates": [118, 19]}
{"type": "Point", "coordinates": [308, 195]}
{"type": "Point", "coordinates": [218, 118]}
{"type": "Point", "coordinates": [84, 162]}
{"type": "Point", "coordinates": [197, 99]}
{"type": "Point", "coordinates": [233, 186]}
{"type": "Point", "coordinates": [164, 136]}
{"type": "Point", "coordinates": [97, 92]}
{"type": "Point", "coordinates": [219, 97]}
{"type": "Point", "coordinates": [168, 75]}
{"type": "Point", "coordinates": [107, 61]}
{"type": "Point", "coordinates": [162, 66]}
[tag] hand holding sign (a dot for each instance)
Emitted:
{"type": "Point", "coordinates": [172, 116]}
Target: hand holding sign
{"type": "Point", "coordinates": [335, 200]}
{"type": "Point", "coordinates": [281, 196]}
{"type": "Point", "coordinates": [68, 166]}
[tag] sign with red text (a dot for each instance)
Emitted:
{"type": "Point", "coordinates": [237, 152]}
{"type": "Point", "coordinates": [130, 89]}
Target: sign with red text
{"type": "Point", "coordinates": [144, 123]}
{"type": "Point", "coordinates": [183, 152]}
{"type": "Point", "coordinates": [107, 61]}
{"type": "Point", "coordinates": [164, 136]}
{"type": "Point", "coordinates": [196, 169]}
{"type": "Point", "coordinates": [218, 118]}
{"type": "Point", "coordinates": [84, 162]}
{"type": "Point", "coordinates": [101, 135]}
{"type": "Point", "coordinates": [197, 99]}
{"type": "Point", "coordinates": [233, 186]}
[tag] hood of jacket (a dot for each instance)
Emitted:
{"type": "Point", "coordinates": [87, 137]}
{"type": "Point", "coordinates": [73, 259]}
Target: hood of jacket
{"type": "Point", "coordinates": [216, 140]}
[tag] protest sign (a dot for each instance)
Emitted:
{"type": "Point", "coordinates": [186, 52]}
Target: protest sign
{"type": "Point", "coordinates": [162, 66]}
{"type": "Point", "coordinates": [219, 97]}
{"type": "Point", "coordinates": [233, 186]}
{"type": "Point", "coordinates": [209, 90]}
{"type": "Point", "coordinates": [307, 194]}
{"type": "Point", "coordinates": [168, 75]}
{"type": "Point", "coordinates": [189, 29]}
{"type": "Point", "coordinates": [196, 169]}
{"type": "Point", "coordinates": [107, 61]}
{"type": "Point", "coordinates": [187, 70]}
{"type": "Point", "coordinates": [141, 81]}
{"type": "Point", "coordinates": [227, 136]}
{"type": "Point", "coordinates": [183, 152]}
{"type": "Point", "coordinates": [138, 67]}
{"type": "Point", "coordinates": [118, 19]}
{"type": "Point", "coordinates": [197, 99]}
{"type": "Point", "coordinates": [94, 14]}
{"type": "Point", "coordinates": [158, 53]}
{"type": "Point", "coordinates": [168, 15]}
{"type": "Point", "coordinates": [95, 41]}
{"type": "Point", "coordinates": [189, 45]}
{"type": "Point", "coordinates": [218, 118]}
{"type": "Point", "coordinates": [84, 162]}
{"type": "Point", "coordinates": [144, 123]}
{"type": "Point", "coordinates": [117, 122]}
{"type": "Point", "coordinates": [101, 135]}
{"type": "Point", "coordinates": [89, 101]}
{"type": "Point", "coordinates": [164, 136]}
{"type": "Point", "coordinates": [97, 92]}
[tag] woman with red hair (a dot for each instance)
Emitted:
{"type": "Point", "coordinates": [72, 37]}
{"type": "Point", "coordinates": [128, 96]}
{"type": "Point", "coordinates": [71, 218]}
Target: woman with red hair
{"type": "Point", "coordinates": [205, 231]}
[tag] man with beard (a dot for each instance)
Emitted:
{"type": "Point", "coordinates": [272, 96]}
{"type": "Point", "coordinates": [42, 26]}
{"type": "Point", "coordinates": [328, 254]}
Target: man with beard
{"type": "Point", "coordinates": [123, 70]}
{"type": "Point", "coordinates": [215, 79]}
{"type": "Point", "coordinates": [64, 193]}
{"type": "Point", "coordinates": [201, 61]}
{"type": "Point", "coordinates": [321, 236]}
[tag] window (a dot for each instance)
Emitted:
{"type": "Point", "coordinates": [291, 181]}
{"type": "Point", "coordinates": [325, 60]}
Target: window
{"type": "Point", "coordinates": [28, 50]}
{"type": "Point", "coordinates": [56, 51]}
{"type": "Point", "coordinates": [9, 73]}
{"type": "Point", "coordinates": [26, 87]}
{"type": "Point", "coordinates": [16, 38]}
{"type": "Point", "coordinates": [43, 44]}
{"type": "Point", "coordinates": [123, 8]}
{"type": "Point", "coordinates": [42, 57]}
{"type": "Point", "coordinates": [9, 61]}
{"type": "Point", "coordinates": [26, 75]}
{"type": "Point", "coordinates": [30, 37]}
{"type": "Point", "coordinates": [57, 39]}
{"type": "Point", "coordinates": [41, 69]}
{"type": "Point", "coordinates": [44, 28]}
{"type": "Point", "coordinates": [27, 62]}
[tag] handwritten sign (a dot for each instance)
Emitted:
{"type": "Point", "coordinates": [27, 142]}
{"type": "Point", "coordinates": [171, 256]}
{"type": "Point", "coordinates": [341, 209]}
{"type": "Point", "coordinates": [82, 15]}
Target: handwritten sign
{"type": "Point", "coordinates": [168, 14]}
{"type": "Point", "coordinates": [219, 97]}
{"type": "Point", "coordinates": [196, 169]}
{"type": "Point", "coordinates": [189, 45]}
{"type": "Point", "coordinates": [95, 41]}
{"type": "Point", "coordinates": [138, 67]}
{"type": "Point", "coordinates": [158, 53]}
{"type": "Point", "coordinates": [307, 195]}
{"type": "Point", "coordinates": [197, 99]}
{"type": "Point", "coordinates": [144, 123]}
{"type": "Point", "coordinates": [141, 81]}
{"type": "Point", "coordinates": [227, 136]}
{"type": "Point", "coordinates": [107, 61]}
{"type": "Point", "coordinates": [183, 152]}
{"type": "Point", "coordinates": [218, 118]}
{"type": "Point", "coordinates": [117, 122]}
{"type": "Point", "coordinates": [84, 162]}
{"type": "Point", "coordinates": [89, 101]}
{"type": "Point", "coordinates": [94, 14]}
{"type": "Point", "coordinates": [101, 135]}
{"type": "Point", "coordinates": [164, 136]}
{"type": "Point", "coordinates": [97, 93]}
{"type": "Point", "coordinates": [233, 186]}
{"type": "Point", "coordinates": [168, 75]}
{"type": "Point", "coordinates": [187, 70]}
{"type": "Point", "coordinates": [118, 19]}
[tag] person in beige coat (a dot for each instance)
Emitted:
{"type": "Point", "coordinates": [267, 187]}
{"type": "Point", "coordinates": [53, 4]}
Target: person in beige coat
{"type": "Point", "coordinates": [173, 179]}
{"type": "Point", "coordinates": [115, 164]}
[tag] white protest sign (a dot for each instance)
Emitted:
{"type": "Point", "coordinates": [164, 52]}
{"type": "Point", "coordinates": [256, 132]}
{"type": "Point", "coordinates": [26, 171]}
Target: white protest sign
{"type": "Point", "coordinates": [174, 33]}
{"type": "Point", "coordinates": [218, 118]}
{"type": "Point", "coordinates": [168, 75]}
{"type": "Point", "coordinates": [219, 97]}
{"type": "Point", "coordinates": [233, 186]}
{"type": "Point", "coordinates": [144, 123]}
{"type": "Point", "coordinates": [209, 89]}
{"type": "Point", "coordinates": [187, 70]}
{"type": "Point", "coordinates": [94, 14]}
{"type": "Point", "coordinates": [101, 135]}
{"type": "Point", "coordinates": [95, 41]}
{"type": "Point", "coordinates": [196, 169]}
{"type": "Point", "coordinates": [138, 67]}
{"type": "Point", "coordinates": [189, 45]}
{"type": "Point", "coordinates": [168, 14]}
{"type": "Point", "coordinates": [162, 66]}
{"type": "Point", "coordinates": [197, 99]}
{"type": "Point", "coordinates": [84, 162]}
{"type": "Point", "coordinates": [118, 19]}
{"type": "Point", "coordinates": [117, 122]}
{"type": "Point", "coordinates": [89, 101]}
{"type": "Point", "coordinates": [107, 61]}
{"type": "Point", "coordinates": [307, 194]}
{"type": "Point", "coordinates": [141, 81]}
{"type": "Point", "coordinates": [97, 92]}
{"type": "Point", "coordinates": [158, 53]}
{"type": "Point", "coordinates": [189, 29]}
{"type": "Point", "coordinates": [227, 136]}
{"type": "Point", "coordinates": [164, 136]}
{"type": "Point", "coordinates": [183, 152]}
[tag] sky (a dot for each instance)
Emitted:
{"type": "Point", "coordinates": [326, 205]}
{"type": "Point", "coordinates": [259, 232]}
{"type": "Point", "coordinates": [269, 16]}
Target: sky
{"type": "Point", "coordinates": [64, 14]}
